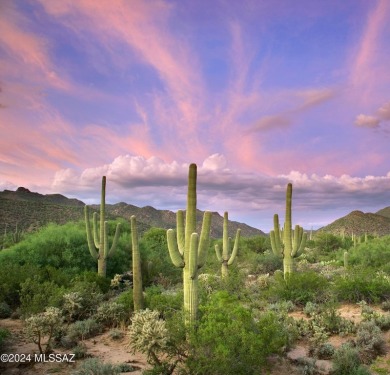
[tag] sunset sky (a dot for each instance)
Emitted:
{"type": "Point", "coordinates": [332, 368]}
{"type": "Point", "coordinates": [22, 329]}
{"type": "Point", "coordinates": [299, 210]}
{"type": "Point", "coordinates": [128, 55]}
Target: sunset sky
{"type": "Point", "coordinates": [258, 93]}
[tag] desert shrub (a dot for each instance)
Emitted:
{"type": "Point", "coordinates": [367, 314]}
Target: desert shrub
{"type": "Point", "coordinates": [80, 351]}
{"type": "Point", "coordinates": [110, 314]}
{"type": "Point", "coordinates": [88, 296]}
{"type": "Point", "coordinates": [155, 258]}
{"type": "Point", "coordinates": [5, 310]}
{"type": "Point", "coordinates": [327, 242]}
{"type": "Point", "coordinates": [4, 334]}
{"type": "Point", "coordinates": [94, 366]}
{"type": "Point", "coordinates": [45, 324]}
{"type": "Point", "coordinates": [126, 300]}
{"type": "Point", "coordinates": [373, 254]}
{"type": "Point", "coordinates": [84, 329]}
{"type": "Point", "coordinates": [325, 351]}
{"type": "Point", "coordinates": [332, 322]}
{"type": "Point", "coordinates": [361, 284]}
{"type": "Point", "coordinates": [369, 341]}
{"type": "Point", "coordinates": [116, 334]}
{"type": "Point", "coordinates": [10, 281]}
{"type": "Point", "coordinates": [229, 341]}
{"type": "Point", "coordinates": [164, 301]}
{"type": "Point", "coordinates": [266, 262]}
{"type": "Point", "coordinates": [36, 295]}
{"type": "Point", "coordinates": [92, 277]}
{"type": "Point", "coordinates": [300, 288]}
{"type": "Point", "coordinates": [346, 361]}
{"type": "Point", "coordinates": [385, 306]}
{"type": "Point", "coordinates": [282, 307]}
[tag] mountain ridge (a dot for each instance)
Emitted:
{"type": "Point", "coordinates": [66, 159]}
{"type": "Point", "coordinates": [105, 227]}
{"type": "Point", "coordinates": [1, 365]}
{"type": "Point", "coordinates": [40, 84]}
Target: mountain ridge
{"type": "Point", "coordinates": [28, 211]}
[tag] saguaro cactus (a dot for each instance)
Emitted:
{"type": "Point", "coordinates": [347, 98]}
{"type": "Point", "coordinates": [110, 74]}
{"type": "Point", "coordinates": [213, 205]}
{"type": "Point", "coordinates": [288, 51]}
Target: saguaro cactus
{"type": "Point", "coordinates": [98, 242]}
{"type": "Point", "coordinates": [226, 258]}
{"type": "Point", "coordinates": [138, 296]}
{"type": "Point", "coordinates": [187, 250]}
{"type": "Point", "coordinates": [287, 243]}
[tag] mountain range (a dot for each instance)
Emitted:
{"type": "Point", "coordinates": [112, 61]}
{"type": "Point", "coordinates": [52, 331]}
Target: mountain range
{"type": "Point", "coordinates": [29, 211]}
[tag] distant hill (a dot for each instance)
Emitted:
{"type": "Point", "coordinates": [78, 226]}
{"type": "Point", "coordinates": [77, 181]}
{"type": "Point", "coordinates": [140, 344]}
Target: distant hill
{"type": "Point", "coordinates": [29, 211]}
{"type": "Point", "coordinates": [167, 219]}
{"type": "Point", "coordinates": [384, 212]}
{"type": "Point", "coordinates": [359, 223]}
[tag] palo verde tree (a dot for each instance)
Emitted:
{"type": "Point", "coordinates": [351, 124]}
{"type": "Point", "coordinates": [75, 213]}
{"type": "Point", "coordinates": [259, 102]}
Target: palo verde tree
{"type": "Point", "coordinates": [287, 243]}
{"type": "Point", "coordinates": [98, 241]}
{"type": "Point", "coordinates": [188, 250]}
{"type": "Point", "coordinates": [227, 256]}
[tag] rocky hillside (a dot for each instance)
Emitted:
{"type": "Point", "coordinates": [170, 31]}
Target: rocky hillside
{"type": "Point", "coordinates": [167, 219]}
{"type": "Point", "coordinates": [384, 212]}
{"type": "Point", "coordinates": [359, 223]}
{"type": "Point", "coordinates": [29, 211]}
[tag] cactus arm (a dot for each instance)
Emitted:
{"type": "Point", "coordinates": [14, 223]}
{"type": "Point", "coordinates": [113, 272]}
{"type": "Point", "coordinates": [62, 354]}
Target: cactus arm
{"type": "Point", "coordinates": [91, 246]}
{"type": "Point", "coordinates": [115, 241]}
{"type": "Point", "coordinates": [235, 248]}
{"type": "Point", "coordinates": [174, 253]}
{"type": "Point", "coordinates": [273, 242]}
{"type": "Point", "coordinates": [204, 240]}
{"type": "Point", "coordinates": [95, 230]}
{"type": "Point", "coordinates": [225, 238]}
{"type": "Point", "coordinates": [278, 233]}
{"type": "Point", "coordinates": [180, 231]}
{"type": "Point", "coordinates": [303, 243]}
{"type": "Point", "coordinates": [275, 236]}
{"type": "Point", "coordinates": [218, 253]}
{"type": "Point", "coordinates": [193, 264]}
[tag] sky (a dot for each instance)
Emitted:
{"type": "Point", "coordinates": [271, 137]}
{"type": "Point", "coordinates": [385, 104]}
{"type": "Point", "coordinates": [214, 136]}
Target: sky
{"type": "Point", "coordinates": [257, 93]}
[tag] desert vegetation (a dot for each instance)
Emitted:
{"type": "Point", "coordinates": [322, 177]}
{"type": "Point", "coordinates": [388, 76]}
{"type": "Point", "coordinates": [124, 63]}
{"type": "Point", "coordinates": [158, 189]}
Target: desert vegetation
{"type": "Point", "coordinates": [192, 304]}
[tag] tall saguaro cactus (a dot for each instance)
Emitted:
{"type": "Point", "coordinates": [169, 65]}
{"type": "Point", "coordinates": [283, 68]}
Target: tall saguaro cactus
{"type": "Point", "coordinates": [138, 296]}
{"type": "Point", "coordinates": [98, 241]}
{"type": "Point", "coordinates": [287, 243]}
{"type": "Point", "coordinates": [226, 258]}
{"type": "Point", "coordinates": [187, 249]}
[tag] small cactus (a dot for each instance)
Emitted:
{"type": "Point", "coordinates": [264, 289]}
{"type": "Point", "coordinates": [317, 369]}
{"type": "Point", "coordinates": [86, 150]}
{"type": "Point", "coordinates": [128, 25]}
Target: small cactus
{"type": "Point", "coordinates": [227, 257]}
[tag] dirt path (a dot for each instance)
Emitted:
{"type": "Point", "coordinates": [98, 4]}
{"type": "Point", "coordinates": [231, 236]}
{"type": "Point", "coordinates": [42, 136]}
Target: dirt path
{"type": "Point", "coordinates": [101, 346]}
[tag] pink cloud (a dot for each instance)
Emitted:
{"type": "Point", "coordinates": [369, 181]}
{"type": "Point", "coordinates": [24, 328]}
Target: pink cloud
{"type": "Point", "coordinates": [365, 120]}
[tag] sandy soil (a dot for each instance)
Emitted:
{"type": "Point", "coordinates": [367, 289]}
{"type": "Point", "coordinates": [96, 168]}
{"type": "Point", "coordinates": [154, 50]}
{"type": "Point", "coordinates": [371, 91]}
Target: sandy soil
{"type": "Point", "coordinates": [100, 346]}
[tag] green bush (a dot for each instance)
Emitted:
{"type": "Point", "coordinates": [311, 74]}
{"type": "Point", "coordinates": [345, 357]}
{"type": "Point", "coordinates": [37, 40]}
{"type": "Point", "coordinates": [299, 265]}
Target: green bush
{"type": "Point", "coordinates": [346, 361]}
{"type": "Point", "coordinates": [5, 310]}
{"type": "Point", "coordinates": [84, 329]}
{"type": "Point", "coordinates": [369, 341]}
{"type": "Point", "coordinates": [373, 254]}
{"type": "Point", "coordinates": [300, 288]}
{"type": "Point", "coordinates": [110, 314]}
{"type": "Point", "coordinates": [166, 302]}
{"type": "Point", "coordinates": [327, 242]}
{"type": "Point", "coordinates": [155, 259]}
{"type": "Point", "coordinates": [4, 334]}
{"type": "Point", "coordinates": [126, 300]}
{"type": "Point", "coordinates": [36, 296]}
{"type": "Point", "coordinates": [361, 284]}
{"type": "Point", "coordinates": [94, 366]}
{"type": "Point", "coordinates": [230, 341]}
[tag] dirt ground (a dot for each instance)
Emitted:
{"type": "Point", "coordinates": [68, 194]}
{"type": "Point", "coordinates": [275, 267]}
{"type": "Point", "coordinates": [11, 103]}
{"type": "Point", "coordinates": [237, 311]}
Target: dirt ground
{"type": "Point", "coordinates": [100, 346]}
